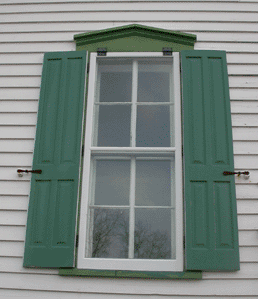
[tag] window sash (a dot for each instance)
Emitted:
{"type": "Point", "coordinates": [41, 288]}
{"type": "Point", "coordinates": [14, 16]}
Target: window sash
{"type": "Point", "coordinates": [131, 264]}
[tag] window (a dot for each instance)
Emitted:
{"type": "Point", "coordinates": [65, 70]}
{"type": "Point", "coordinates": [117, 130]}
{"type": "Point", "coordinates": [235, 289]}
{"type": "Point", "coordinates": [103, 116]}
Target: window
{"type": "Point", "coordinates": [210, 215]}
{"type": "Point", "coordinates": [131, 207]}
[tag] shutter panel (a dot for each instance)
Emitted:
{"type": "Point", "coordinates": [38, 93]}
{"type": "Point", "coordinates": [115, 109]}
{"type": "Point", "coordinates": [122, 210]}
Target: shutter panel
{"type": "Point", "coordinates": [210, 201]}
{"type": "Point", "coordinates": [51, 223]}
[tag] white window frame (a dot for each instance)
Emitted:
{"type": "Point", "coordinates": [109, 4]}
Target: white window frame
{"type": "Point", "coordinates": [175, 265]}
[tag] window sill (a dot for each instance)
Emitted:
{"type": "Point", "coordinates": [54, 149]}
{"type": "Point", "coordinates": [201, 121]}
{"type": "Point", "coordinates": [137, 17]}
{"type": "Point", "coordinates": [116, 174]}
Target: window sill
{"type": "Point", "coordinates": [197, 275]}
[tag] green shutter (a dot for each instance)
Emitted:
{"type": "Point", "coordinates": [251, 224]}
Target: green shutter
{"type": "Point", "coordinates": [51, 224]}
{"type": "Point", "coordinates": [210, 203]}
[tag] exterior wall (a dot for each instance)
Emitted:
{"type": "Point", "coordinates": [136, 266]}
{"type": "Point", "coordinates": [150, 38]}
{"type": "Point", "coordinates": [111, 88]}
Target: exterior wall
{"type": "Point", "coordinates": [32, 27]}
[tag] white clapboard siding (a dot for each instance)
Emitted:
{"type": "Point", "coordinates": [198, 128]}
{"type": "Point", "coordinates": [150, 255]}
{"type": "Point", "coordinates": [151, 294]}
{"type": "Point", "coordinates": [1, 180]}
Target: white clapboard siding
{"type": "Point", "coordinates": [12, 233]}
{"type": "Point", "coordinates": [24, 93]}
{"type": "Point", "coordinates": [14, 202]}
{"type": "Point", "coordinates": [221, 287]}
{"type": "Point", "coordinates": [82, 26]}
{"type": "Point", "coordinates": [240, 133]}
{"type": "Point", "coordinates": [14, 265]}
{"type": "Point", "coordinates": [243, 147]}
{"type": "Point", "coordinates": [29, 118]}
{"type": "Point", "coordinates": [17, 132]}
{"type": "Point", "coordinates": [132, 16]}
{"type": "Point", "coordinates": [18, 106]}
{"type": "Point", "coordinates": [247, 206]}
{"type": "Point", "coordinates": [138, 6]}
{"type": "Point", "coordinates": [16, 146]}
{"type": "Point", "coordinates": [248, 107]}
{"type": "Point", "coordinates": [29, 28]}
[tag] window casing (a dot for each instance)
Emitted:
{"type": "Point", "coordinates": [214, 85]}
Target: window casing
{"type": "Point", "coordinates": [99, 155]}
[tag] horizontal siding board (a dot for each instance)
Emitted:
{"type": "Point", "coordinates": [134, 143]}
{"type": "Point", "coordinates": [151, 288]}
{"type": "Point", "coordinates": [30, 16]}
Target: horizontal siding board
{"type": "Point", "coordinates": [18, 118]}
{"type": "Point", "coordinates": [37, 47]}
{"type": "Point", "coordinates": [13, 218]}
{"type": "Point", "coordinates": [17, 132]}
{"type": "Point", "coordinates": [243, 120]}
{"type": "Point", "coordinates": [244, 148]}
{"type": "Point", "coordinates": [26, 81]}
{"type": "Point", "coordinates": [246, 161]}
{"type": "Point", "coordinates": [247, 270]}
{"type": "Point", "coordinates": [248, 238]}
{"type": "Point", "coordinates": [16, 146]}
{"type": "Point", "coordinates": [20, 70]}
{"type": "Point", "coordinates": [12, 202]}
{"type": "Point", "coordinates": [248, 254]}
{"type": "Point", "coordinates": [18, 159]}
{"type": "Point", "coordinates": [245, 134]}
{"type": "Point", "coordinates": [243, 81]}
{"type": "Point", "coordinates": [229, 47]}
{"type": "Point", "coordinates": [124, 286]}
{"type": "Point", "coordinates": [82, 26]}
{"type": "Point", "coordinates": [242, 94]}
{"type": "Point", "coordinates": [23, 58]}
{"type": "Point", "coordinates": [237, 69]}
{"type": "Point", "coordinates": [126, 6]}
{"type": "Point", "coordinates": [247, 191]}
{"type": "Point", "coordinates": [15, 188]}
{"type": "Point", "coordinates": [132, 15]}
{"type": "Point", "coordinates": [11, 233]}
{"type": "Point", "coordinates": [18, 106]}
{"type": "Point", "coordinates": [19, 93]}
{"type": "Point", "coordinates": [15, 249]}
{"type": "Point", "coordinates": [15, 265]}
{"type": "Point", "coordinates": [249, 107]}
{"type": "Point", "coordinates": [245, 206]}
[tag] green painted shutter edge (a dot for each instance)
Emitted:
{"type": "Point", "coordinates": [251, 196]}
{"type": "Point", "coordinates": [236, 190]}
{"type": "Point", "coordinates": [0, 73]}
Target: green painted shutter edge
{"type": "Point", "coordinates": [52, 213]}
{"type": "Point", "coordinates": [195, 275]}
{"type": "Point", "coordinates": [210, 203]}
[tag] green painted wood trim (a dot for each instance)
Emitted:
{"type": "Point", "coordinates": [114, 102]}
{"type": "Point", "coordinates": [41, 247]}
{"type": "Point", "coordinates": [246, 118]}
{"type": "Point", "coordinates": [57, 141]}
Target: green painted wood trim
{"type": "Point", "coordinates": [131, 274]}
{"type": "Point", "coordinates": [134, 38]}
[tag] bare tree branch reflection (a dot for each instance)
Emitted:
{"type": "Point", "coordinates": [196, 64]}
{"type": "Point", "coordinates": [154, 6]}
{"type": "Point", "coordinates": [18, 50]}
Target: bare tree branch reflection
{"type": "Point", "coordinates": [111, 234]}
{"type": "Point", "coordinates": [107, 226]}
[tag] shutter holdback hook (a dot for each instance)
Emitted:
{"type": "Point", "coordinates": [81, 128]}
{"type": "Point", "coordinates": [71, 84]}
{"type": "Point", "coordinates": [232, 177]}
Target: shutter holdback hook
{"type": "Point", "coordinates": [20, 171]}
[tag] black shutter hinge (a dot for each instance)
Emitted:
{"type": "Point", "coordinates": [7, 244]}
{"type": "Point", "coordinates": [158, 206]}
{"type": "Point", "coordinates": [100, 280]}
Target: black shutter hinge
{"type": "Point", "coordinates": [167, 51]}
{"type": "Point", "coordinates": [77, 241]}
{"type": "Point", "coordinates": [82, 150]}
{"type": "Point", "coordinates": [88, 67]}
{"type": "Point", "coordinates": [102, 51]}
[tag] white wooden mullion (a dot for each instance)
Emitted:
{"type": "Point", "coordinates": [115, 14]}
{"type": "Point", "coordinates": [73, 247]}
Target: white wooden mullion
{"type": "Point", "coordinates": [134, 101]}
{"type": "Point", "coordinates": [132, 149]}
{"type": "Point", "coordinates": [132, 204]}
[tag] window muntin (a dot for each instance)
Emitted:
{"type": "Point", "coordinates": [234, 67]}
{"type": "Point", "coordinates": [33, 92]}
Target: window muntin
{"type": "Point", "coordinates": [135, 210]}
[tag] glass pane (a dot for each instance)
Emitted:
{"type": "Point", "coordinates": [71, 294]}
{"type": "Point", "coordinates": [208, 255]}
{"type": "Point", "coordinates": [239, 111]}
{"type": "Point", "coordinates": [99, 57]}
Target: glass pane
{"type": "Point", "coordinates": [152, 239]}
{"type": "Point", "coordinates": [114, 125]}
{"type": "Point", "coordinates": [110, 233]}
{"type": "Point", "coordinates": [154, 81]}
{"type": "Point", "coordinates": [115, 83]}
{"type": "Point", "coordinates": [153, 183]}
{"type": "Point", "coordinates": [153, 126]}
{"type": "Point", "coordinates": [112, 182]}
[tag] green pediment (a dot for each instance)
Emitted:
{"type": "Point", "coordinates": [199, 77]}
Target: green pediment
{"type": "Point", "coordinates": [134, 38]}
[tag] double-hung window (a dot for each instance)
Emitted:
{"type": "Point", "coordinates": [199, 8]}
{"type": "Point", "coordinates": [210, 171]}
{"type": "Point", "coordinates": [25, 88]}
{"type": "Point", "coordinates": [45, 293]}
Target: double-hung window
{"type": "Point", "coordinates": [139, 198]}
{"type": "Point", "coordinates": [131, 206]}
